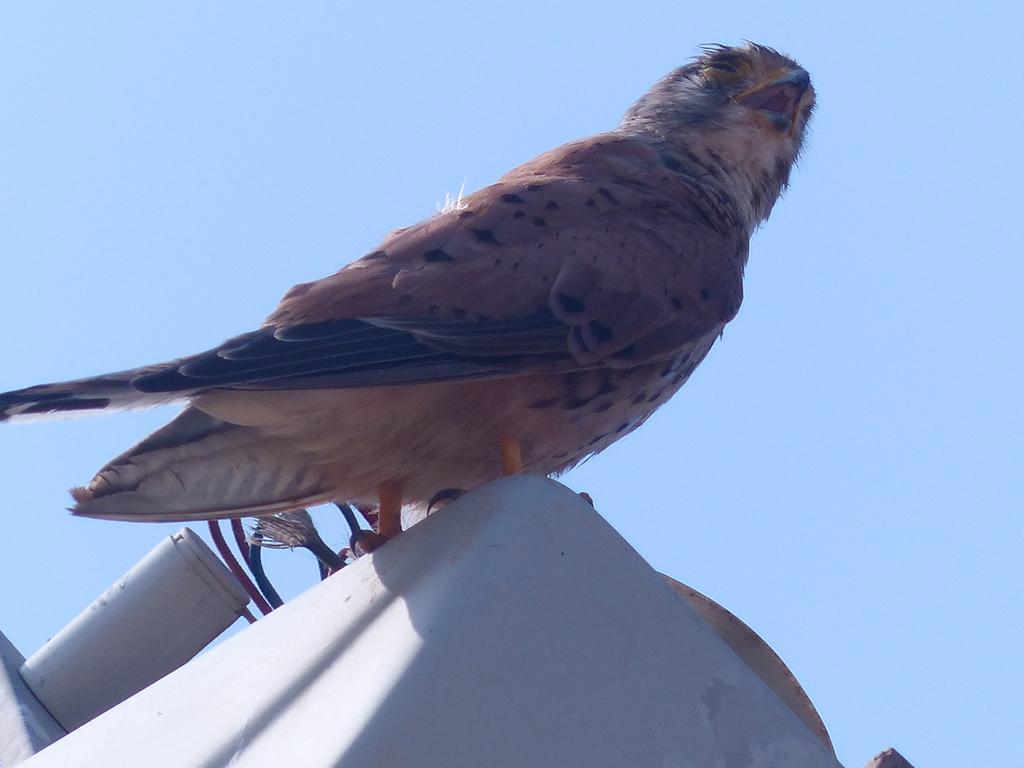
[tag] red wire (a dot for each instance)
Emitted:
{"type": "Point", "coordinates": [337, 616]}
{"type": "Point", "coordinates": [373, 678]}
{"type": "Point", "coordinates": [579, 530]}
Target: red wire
{"type": "Point", "coordinates": [236, 568]}
{"type": "Point", "coordinates": [240, 541]}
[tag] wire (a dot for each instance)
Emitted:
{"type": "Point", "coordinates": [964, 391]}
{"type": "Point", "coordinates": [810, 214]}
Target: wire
{"type": "Point", "coordinates": [256, 566]}
{"type": "Point", "coordinates": [235, 568]}
{"type": "Point", "coordinates": [253, 558]}
{"type": "Point", "coordinates": [240, 541]}
{"type": "Point", "coordinates": [326, 555]}
{"type": "Point", "coordinates": [350, 516]}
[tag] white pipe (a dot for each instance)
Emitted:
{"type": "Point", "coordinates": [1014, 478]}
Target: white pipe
{"type": "Point", "coordinates": [160, 614]}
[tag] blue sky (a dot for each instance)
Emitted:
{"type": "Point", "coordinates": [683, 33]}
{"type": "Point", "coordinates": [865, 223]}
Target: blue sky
{"type": "Point", "coordinates": [843, 471]}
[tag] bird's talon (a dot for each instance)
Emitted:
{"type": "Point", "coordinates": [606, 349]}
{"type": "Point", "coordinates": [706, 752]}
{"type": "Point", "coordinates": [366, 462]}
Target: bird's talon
{"type": "Point", "coordinates": [365, 542]}
{"type": "Point", "coordinates": [443, 498]}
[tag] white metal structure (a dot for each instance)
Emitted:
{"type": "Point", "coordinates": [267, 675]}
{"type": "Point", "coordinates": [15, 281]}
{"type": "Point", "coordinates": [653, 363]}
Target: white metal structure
{"type": "Point", "coordinates": [513, 628]}
{"type": "Point", "coordinates": [160, 614]}
{"type": "Point", "coordinates": [25, 725]}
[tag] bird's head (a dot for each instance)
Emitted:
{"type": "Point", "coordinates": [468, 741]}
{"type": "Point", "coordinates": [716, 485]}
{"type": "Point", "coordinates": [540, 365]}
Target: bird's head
{"type": "Point", "coordinates": [741, 110]}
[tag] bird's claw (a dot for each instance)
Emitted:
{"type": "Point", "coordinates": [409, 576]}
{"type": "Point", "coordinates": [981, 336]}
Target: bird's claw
{"type": "Point", "coordinates": [443, 498]}
{"type": "Point", "coordinates": [365, 542]}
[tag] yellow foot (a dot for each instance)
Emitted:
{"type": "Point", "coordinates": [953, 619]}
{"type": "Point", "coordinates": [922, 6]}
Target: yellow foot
{"type": "Point", "coordinates": [389, 513]}
{"type": "Point", "coordinates": [511, 456]}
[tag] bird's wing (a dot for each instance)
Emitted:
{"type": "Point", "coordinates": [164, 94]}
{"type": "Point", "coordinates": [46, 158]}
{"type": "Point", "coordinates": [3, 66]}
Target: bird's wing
{"type": "Point", "coordinates": [595, 254]}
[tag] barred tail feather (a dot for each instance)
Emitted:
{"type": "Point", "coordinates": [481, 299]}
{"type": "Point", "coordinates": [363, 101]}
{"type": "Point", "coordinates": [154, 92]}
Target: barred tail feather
{"type": "Point", "coordinates": [112, 391]}
{"type": "Point", "coordinates": [199, 467]}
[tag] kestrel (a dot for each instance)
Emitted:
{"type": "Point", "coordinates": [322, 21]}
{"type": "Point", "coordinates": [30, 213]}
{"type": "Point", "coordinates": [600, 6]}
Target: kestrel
{"type": "Point", "coordinates": [539, 321]}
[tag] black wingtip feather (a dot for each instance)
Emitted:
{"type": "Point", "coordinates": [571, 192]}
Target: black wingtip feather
{"type": "Point", "coordinates": [35, 401]}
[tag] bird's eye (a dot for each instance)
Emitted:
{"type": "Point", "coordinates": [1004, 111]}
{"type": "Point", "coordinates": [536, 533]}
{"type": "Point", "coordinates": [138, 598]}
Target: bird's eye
{"type": "Point", "coordinates": [726, 69]}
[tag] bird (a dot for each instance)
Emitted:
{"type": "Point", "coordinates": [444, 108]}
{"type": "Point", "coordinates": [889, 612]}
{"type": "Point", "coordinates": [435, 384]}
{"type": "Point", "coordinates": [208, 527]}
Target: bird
{"type": "Point", "coordinates": [524, 329]}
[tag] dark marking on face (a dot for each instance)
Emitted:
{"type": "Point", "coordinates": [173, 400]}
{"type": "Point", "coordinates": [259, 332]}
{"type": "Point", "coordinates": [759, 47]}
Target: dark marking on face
{"type": "Point", "coordinates": [437, 254]}
{"type": "Point", "coordinates": [600, 331]}
{"type": "Point", "coordinates": [510, 198]}
{"type": "Point", "coordinates": [607, 195]}
{"type": "Point", "coordinates": [570, 304]}
{"type": "Point", "coordinates": [485, 236]}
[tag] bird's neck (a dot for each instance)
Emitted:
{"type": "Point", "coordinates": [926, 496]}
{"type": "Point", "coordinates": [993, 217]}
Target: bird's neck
{"type": "Point", "coordinates": [741, 176]}
{"type": "Point", "coordinates": [743, 165]}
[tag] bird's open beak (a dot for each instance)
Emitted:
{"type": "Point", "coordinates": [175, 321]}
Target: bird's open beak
{"type": "Point", "coordinates": [779, 100]}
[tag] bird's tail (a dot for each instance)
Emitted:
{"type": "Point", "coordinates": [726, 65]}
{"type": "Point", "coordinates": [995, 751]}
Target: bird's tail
{"type": "Point", "coordinates": [112, 391]}
{"type": "Point", "coordinates": [198, 467]}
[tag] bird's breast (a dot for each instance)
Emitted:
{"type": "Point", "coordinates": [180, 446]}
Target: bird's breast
{"type": "Point", "coordinates": [427, 437]}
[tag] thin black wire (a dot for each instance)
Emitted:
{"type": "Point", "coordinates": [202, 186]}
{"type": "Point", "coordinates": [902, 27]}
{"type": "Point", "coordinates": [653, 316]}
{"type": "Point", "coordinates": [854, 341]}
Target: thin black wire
{"type": "Point", "coordinates": [236, 568]}
{"type": "Point", "coordinates": [326, 555]}
{"type": "Point", "coordinates": [350, 516]}
{"type": "Point", "coordinates": [256, 566]}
